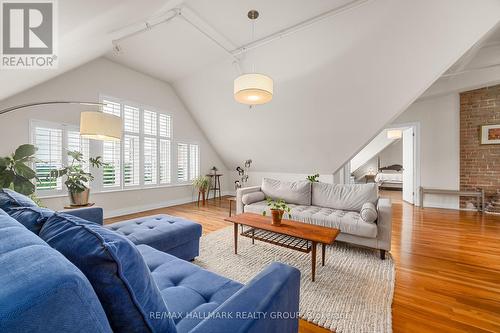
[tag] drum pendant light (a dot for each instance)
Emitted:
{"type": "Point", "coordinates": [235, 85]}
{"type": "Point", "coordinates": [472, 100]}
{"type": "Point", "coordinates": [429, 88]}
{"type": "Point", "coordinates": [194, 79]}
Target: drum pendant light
{"type": "Point", "coordinates": [253, 88]}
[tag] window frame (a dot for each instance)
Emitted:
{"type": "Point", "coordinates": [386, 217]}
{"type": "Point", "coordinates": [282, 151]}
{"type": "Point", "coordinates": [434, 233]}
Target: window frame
{"type": "Point", "coordinates": [65, 128]}
{"type": "Point", "coordinates": [96, 149]}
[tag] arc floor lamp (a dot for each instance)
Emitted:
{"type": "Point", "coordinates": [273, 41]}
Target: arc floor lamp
{"type": "Point", "coordinates": [94, 125]}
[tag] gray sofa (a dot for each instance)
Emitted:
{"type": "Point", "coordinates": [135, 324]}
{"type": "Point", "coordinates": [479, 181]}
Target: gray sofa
{"type": "Point", "coordinates": [362, 217]}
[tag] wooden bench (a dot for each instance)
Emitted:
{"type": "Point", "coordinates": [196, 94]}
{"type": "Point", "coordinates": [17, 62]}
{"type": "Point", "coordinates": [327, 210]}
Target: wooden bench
{"type": "Point", "coordinates": [478, 194]}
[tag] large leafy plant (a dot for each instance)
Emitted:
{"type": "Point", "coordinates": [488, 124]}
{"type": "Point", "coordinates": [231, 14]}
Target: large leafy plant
{"type": "Point", "coordinates": [76, 176]}
{"type": "Point", "coordinates": [15, 172]}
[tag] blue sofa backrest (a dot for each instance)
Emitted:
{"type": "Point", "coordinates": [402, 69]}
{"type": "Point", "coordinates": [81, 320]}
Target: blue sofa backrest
{"type": "Point", "coordinates": [41, 291]}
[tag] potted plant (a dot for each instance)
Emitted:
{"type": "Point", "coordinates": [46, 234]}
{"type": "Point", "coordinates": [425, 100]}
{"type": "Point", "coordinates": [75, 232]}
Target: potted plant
{"type": "Point", "coordinates": [201, 183]}
{"type": "Point", "coordinates": [313, 178]}
{"type": "Point", "coordinates": [77, 178]}
{"type": "Point", "coordinates": [16, 174]}
{"type": "Point", "coordinates": [278, 208]}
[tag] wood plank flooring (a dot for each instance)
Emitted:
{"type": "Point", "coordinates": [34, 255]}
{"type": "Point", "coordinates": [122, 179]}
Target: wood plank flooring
{"type": "Point", "coordinates": [447, 265]}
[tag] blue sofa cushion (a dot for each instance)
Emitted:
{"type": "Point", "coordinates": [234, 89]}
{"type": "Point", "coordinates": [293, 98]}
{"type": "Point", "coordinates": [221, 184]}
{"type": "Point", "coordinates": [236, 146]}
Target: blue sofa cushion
{"type": "Point", "coordinates": [31, 217]}
{"type": "Point", "coordinates": [41, 291]}
{"type": "Point", "coordinates": [10, 199]}
{"type": "Point", "coordinates": [116, 270]}
{"type": "Point", "coordinates": [162, 232]}
{"type": "Point", "coordinates": [190, 292]}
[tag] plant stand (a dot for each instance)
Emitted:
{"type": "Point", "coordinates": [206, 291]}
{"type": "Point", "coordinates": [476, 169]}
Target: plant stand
{"type": "Point", "coordinates": [203, 198]}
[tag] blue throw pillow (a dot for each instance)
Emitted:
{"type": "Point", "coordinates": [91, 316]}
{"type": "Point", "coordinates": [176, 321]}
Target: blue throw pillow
{"type": "Point", "coordinates": [10, 199]}
{"type": "Point", "coordinates": [116, 270]}
{"type": "Point", "coordinates": [31, 217]}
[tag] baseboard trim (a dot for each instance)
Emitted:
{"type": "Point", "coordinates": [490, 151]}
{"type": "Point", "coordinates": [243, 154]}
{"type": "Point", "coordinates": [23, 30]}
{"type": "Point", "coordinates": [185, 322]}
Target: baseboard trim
{"type": "Point", "coordinates": [143, 208]}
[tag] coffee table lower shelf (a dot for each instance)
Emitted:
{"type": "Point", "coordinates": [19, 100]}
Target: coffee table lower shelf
{"type": "Point", "coordinates": [289, 242]}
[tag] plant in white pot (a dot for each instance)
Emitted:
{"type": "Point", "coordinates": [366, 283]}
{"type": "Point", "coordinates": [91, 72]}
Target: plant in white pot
{"type": "Point", "coordinates": [77, 178]}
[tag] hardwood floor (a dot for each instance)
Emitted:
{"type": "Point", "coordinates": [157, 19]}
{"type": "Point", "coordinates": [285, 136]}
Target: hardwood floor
{"type": "Point", "coordinates": [447, 265]}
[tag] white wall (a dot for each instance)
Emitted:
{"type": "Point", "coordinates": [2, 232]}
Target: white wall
{"type": "Point", "coordinates": [255, 178]}
{"type": "Point", "coordinates": [439, 120]}
{"type": "Point", "coordinates": [86, 83]}
{"type": "Point", "coordinates": [373, 148]}
{"type": "Point", "coordinates": [392, 154]}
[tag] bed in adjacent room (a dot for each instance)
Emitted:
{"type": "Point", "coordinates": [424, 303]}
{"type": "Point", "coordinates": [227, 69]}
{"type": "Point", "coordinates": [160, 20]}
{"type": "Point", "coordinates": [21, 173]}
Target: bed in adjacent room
{"type": "Point", "coordinates": [390, 177]}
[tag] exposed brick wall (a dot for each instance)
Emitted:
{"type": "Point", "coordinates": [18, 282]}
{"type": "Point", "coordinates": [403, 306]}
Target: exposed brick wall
{"type": "Point", "coordinates": [479, 164]}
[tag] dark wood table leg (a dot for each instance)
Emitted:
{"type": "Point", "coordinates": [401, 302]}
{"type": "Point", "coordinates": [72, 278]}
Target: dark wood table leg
{"type": "Point", "coordinates": [236, 238]}
{"type": "Point", "coordinates": [253, 235]}
{"type": "Point", "coordinates": [323, 247]}
{"type": "Point", "coordinates": [230, 207]}
{"type": "Point", "coordinates": [313, 261]}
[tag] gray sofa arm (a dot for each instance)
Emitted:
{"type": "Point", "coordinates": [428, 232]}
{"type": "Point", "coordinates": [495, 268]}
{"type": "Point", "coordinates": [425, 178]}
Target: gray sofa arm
{"type": "Point", "coordinates": [240, 193]}
{"type": "Point", "coordinates": [384, 223]}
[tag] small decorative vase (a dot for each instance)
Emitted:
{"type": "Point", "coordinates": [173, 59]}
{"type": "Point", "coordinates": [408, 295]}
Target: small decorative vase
{"type": "Point", "coordinates": [277, 216]}
{"type": "Point", "coordinates": [80, 198]}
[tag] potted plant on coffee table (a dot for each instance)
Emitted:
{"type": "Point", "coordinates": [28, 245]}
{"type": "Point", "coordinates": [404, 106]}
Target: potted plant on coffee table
{"type": "Point", "coordinates": [278, 208]}
{"type": "Point", "coordinates": [77, 179]}
{"type": "Point", "coordinates": [202, 184]}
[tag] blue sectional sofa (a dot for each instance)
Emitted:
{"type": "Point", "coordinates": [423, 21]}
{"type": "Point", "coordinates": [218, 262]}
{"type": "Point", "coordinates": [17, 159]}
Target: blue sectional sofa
{"type": "Point", "coordinates": [51, 264]}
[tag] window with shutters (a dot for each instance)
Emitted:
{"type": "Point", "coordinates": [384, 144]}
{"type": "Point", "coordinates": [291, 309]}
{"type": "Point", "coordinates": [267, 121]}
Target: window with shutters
{"type": "Point", "coordinates": [53, 142]}
{"type": "Point", "coordinates": [194, 161]}
{"type": "Point", "coordinates": [147, 155]}
{"type": "Point", "coordinates": [182, 162]}
{"type": "Point", "coordinates": [146, 147]}
{"type": "Point", "coordinates": [111, 151]}
{"type": "Point", "coordinates": [165, 174]}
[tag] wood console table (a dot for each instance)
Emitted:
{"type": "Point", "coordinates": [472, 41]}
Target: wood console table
{"type": "Point", "coordinates": [478, 194]}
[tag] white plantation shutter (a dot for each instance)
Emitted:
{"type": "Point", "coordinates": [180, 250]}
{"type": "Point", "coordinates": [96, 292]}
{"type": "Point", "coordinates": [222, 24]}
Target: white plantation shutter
{"type": "Point", "coordinates": [131, 162]}
{"type": "Point", "coordinates": [150, 161]}
{"type": "Point", "coordinates": [113, 108]}
{"type": "Point", "coordinates": [150, 122]}
{"type": "Point", "coordinates": [165, 124]}
{"type": "Point", "coordinates": [130, 119]}
{"type": "Point", "coordinates": [76, 142]}
{"type": "Point", "coordinates": [165, 175]}
{"type": "Point", "coordinates": [194, 161]}
{"type": "Point", "coordinates": [111, 172]}
{"type": "Point", "coordinates": [49, 142]}
{"type": "Point", "coordinates": [182, 162]}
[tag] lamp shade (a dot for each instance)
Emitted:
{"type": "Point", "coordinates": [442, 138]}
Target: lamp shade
{"type": "Point", "coordinates": [100, 126]}
{"type": "Point", "coordinates": [394, 134]}
{"type": "Point", "coordinates": [253, 89]}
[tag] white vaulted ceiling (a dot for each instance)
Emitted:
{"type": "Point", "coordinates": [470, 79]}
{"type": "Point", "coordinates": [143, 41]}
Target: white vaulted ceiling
{"type": "Point", "coordinates": [338, 82]}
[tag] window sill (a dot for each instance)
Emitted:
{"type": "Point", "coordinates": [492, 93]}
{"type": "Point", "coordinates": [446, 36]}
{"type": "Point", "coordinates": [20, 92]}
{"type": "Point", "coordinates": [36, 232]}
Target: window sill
{"type": "Point", "coordinates": [63, 195]}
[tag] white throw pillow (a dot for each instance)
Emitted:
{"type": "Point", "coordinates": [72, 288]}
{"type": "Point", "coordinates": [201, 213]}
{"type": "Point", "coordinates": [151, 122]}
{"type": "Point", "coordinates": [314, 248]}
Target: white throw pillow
{"type": "Point", "coordinates": [298, 193]}
{"type": "Point", "coordinates": [369, 212]}
{"type": "Point", "coordinates": [250, 198]}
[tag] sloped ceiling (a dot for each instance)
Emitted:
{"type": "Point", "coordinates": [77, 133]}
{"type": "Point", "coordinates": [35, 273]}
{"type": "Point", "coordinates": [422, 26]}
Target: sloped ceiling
{"type": "Point", "coordinates": [337, 82]}
{"type": "Point", "coordinates": [85, 33]}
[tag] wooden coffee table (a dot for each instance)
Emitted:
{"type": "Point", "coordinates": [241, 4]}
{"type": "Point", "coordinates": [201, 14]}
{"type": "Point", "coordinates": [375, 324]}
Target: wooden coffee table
{"type": "Point", "coordinates": [294, 235]}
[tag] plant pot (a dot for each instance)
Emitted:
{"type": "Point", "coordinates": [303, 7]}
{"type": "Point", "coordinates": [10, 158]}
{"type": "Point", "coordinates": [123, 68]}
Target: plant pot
{"type": "Point", "coordinates": [80, 198]}
{"type": "Point", "coordinates": [277, 216]}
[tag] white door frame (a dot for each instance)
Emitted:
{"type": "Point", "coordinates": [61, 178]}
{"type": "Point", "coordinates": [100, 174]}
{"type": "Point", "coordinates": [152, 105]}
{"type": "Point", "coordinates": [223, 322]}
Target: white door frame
{"type": "Point", "coordinates": [416, 156]}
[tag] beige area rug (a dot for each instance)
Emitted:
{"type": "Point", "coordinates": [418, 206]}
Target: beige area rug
{"type": "Point", "coordinates": [353, 292]}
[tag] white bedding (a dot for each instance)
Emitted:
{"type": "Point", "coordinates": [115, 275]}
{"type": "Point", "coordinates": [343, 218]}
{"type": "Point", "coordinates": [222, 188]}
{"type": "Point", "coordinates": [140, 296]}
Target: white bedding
{"type": "Point", "coordinates": [395, 177]}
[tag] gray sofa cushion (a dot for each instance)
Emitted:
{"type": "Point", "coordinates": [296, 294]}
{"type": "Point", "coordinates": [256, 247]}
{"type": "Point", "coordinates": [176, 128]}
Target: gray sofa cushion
{"type": "Point", "coordinates": [344, 197]}
{"type": "Point", "coordinates": [347, 222]}
{"type": "Point", "coordinates": [369, 212]}
{"type": "Point", "coordinates": [250, 198]}
{"type": "Point", "coordinates": [298, 193]}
